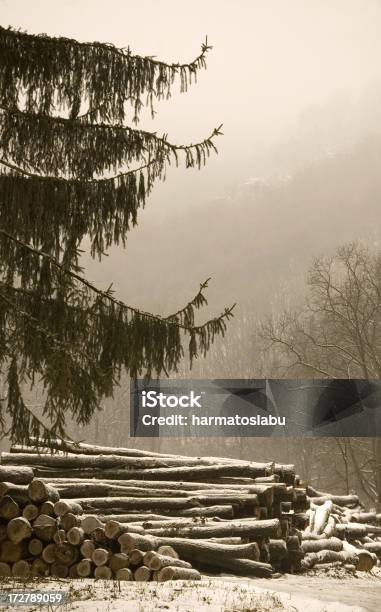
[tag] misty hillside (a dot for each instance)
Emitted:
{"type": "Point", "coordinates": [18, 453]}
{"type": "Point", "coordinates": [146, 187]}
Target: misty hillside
{"type": "Point", "coordinates": [262, 235]}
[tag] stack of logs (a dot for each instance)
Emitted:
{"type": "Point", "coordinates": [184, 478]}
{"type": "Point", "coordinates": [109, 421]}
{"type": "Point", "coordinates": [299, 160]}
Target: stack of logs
{"type": "Point", "coordinates": [94, 508]}
{"type": "Point", "coordinates": [340, 532]}
{"type": "Point", "coordinates": [82, 510]}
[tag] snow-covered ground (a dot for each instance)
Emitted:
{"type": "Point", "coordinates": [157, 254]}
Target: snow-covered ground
{"type": "Point", "coordinates": [296, 593]}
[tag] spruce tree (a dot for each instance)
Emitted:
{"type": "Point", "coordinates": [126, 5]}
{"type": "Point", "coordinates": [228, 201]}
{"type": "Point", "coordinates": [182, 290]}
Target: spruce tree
{"type": "Point", "coordinates": [72, 168]}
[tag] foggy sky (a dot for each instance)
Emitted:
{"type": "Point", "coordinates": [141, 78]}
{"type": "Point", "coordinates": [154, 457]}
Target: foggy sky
{"type": "Point", "coordinates": [291, 80]}
{"type": "Point", "coordinates": [271, 60]}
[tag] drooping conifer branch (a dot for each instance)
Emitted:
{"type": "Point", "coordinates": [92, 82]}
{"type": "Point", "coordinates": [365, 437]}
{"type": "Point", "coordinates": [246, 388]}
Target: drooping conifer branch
{"type": "Point", "coordinates": [46, 322]}
{"type": "Point", "coordinates": [61, 147]}
{"type": "Point", "coordinates": [60, 72]}
{"type": "Point", "coordinates": [175, 319]}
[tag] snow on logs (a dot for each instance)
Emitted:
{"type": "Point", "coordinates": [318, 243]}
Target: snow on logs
{"type": "Point", "coordinates": [135, 515]}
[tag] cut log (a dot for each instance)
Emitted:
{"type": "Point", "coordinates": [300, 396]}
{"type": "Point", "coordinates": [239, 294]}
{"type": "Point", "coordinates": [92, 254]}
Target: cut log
{"type": "Point", "coordinates": [328, 556]}
{"type": "Point", "coordinates": [40, 568]}
{"type": "Point", "coordinates": [76, 536]}
{"type": "Point", "coordinates": [84, 568]}
{"type": "Point", "coordinates": [365, 559]}
{"type": "Point", "coordinates": [98, 535]}
{"type": "Point", "coordinates": [356, 530]}
{"type": "Point", "coordinates": [19, 529]}
{"type": "Point", "coordinates": [45, 533]}
{"type": "Point", "coordinates": [70, 520]}
{"type": "Point", "coordinates": [148, 556]}
{"type": "Point", "coordinates": [364, 517]}
{"type": "Point", "coordinates": [66, 553]}
{"type": "Point", "coordinates": [104, 462]}
{"type": "Point", "coordinates": [157, 562]}
{"type": "Point", "coordinates": [113, 529]}
{"type": "Point", "coordinates": [73, 571]}
{"type": "Point", "coordinates": [87, 549]}
{"type": "Point", "coordinates": [102, 572]}
{"type": "Point", "coordinates": [49, 553]}
{"type": "Point", "coordinates": [246, 567]}
{"type": "Point", "coordinates": [47, 508]}
{"type": "Point", "coordinates": [92, 504]}
{"type": "Point", "coordinates": [100, 556]}
{"type": "Point", "coordinates": [90, 523]}
{"type": "Point", "coordinates": [203, 472]}
{"type": "Point", "coordinates": [9, 509]}
{"type": "Point", "coordinates": [30, 512]}
{"type": "Point", "coordinates": [177, 573]}
{"type": "Point", "coordinates": [16, 473]}
{"type": "Point", "coordinates": [21, 569]}
{"type": "Point", "coordinates": [40, 492]}
{"type": "Point", "coordinates": [62, 507]}
{"type": "Point", "coordinates": [142, 574]}
{"type": "Point", "coordinates": [256, 529]}
{"type": "Point", "coordinates": [35, 547]}
{"type": "Point", "coordinates": [87, 449]}
{"type": "Point", "coordinates": [5, 570]}
{"type": "Point", "coordinates": [136, 556]}
{"type": "Point", "coordinates": [325, 544]}
{"type": "Point", "coordinates": [10, 552]}
{"type": "Point", "coordinates": [60, 536]}
{"type": "Point", "coordinates": [58, 569]}
{"type": "Point", "coordinates": [167, 551]}
{"type": "Point", "coordinates": [190, 550]}
{"type": "Point", "coordinates": [339, 500]}
{"type": "Point", "coordinates": [19, 493]}
{"type": "Point", "coordinates": [124, 574]}
{"type": "Point", "coordinates": [322, 514]}
{"type": "Point", "coordinates": [118, 561]}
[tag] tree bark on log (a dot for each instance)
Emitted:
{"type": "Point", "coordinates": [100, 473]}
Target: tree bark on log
{"type": "Point", "coordinates": [141, 503]}
{"type": "Point", "coordinates": [339, 500]}
{"type": "Point", "coordinates": [324, 544]}
{"type": "Point", "coordinates": [256, 529]}
{"type": "Point", "coordinates": [158, 562]}
{"type": "Point", "coordinates": [16, 474]}
{"type": "Point", "coordinates": [178, 573]}
{"type": "Point", "coordinates": [19, 493]}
